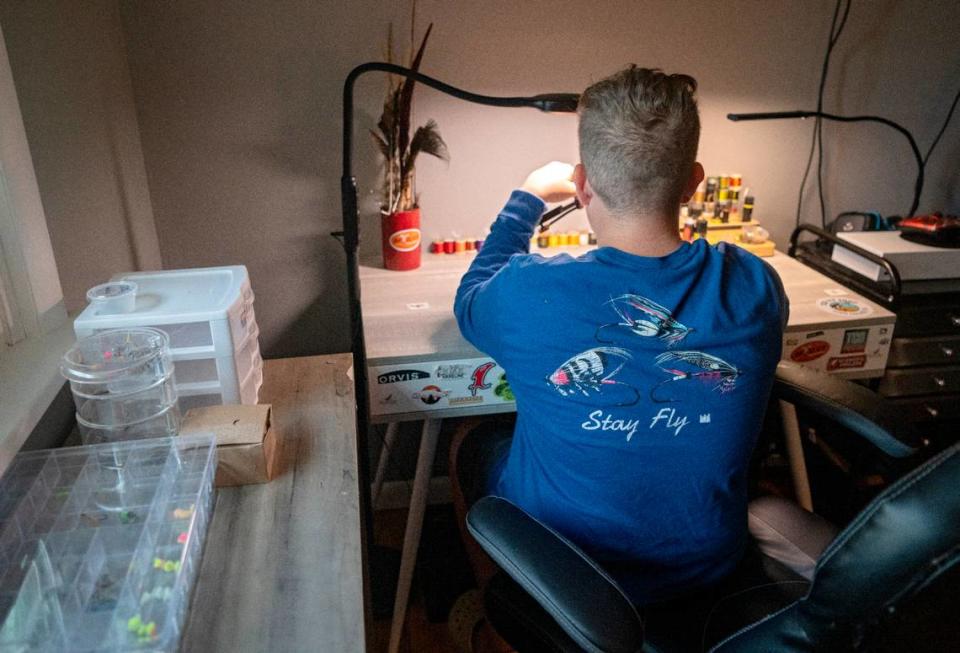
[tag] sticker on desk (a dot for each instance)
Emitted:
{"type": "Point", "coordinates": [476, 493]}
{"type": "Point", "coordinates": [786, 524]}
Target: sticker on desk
{"type": "Point", "coordinates": [809, 351]}
{"type": "Point", "coordinates": [454, 371]}
{"type": "Point", "coordinates": [846, 362]}
{"type": "Point", "coordinates": [430, 394]}
{"type": "Point", "coordinates": [847, 306]}
{"type": "Point", "coordinates": [418, 306]}
{"type": "Point", "coordinates": [854, 341]}
{"type": "Point", "coordinates": [419, 387]}
{"type": "Point", "coordinates": [861, 351]}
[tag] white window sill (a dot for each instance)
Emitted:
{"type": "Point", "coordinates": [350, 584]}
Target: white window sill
{"type": "Point", "coordinates": [29, 381]}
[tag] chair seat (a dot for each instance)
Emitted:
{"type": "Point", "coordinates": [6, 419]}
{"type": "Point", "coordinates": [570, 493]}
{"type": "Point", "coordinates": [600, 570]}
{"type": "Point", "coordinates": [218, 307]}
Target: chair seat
{"type": "Point", "coordinates": [759, 586]}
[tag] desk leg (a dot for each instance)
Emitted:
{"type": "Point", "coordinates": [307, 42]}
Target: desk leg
{"type": "Point", "coordinates": [798, 465]}
{"type": "Point", "coordinates": [388, 440]}
{"type": "Point", "coordinates": [411, 538]}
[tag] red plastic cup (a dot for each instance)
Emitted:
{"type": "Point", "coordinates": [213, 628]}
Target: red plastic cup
{"type": "Point", "coordinates": [401, 240]}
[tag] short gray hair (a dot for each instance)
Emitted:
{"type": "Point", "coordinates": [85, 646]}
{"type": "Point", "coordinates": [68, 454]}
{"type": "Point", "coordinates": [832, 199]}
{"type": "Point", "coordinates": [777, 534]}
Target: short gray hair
{"type": "Point", "coordinates": [639, 131]}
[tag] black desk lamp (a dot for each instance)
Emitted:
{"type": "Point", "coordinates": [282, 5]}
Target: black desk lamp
{"type": "Point", "coordinates": [780, 115]}
{"type": "Point", "coordinates": [549, 102]}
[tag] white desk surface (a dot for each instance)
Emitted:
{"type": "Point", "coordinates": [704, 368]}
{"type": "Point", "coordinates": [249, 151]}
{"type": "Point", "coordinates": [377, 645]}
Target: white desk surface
{"type": "Point", "coordinates": [408, 316]}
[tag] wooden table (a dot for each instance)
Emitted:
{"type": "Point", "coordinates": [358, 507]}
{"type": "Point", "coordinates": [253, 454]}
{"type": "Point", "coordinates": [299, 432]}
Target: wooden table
{"type": "Point", "coordinates": [282, 570]}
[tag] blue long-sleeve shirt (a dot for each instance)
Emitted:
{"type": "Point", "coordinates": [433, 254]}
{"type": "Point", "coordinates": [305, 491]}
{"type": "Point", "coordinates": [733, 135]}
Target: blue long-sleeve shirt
{"type": "Point", "coordinates": [641, 384]}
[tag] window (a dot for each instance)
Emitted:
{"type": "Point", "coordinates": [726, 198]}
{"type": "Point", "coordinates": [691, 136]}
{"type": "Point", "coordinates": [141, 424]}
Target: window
{"type": "Point", "coordinates": [30, 295]}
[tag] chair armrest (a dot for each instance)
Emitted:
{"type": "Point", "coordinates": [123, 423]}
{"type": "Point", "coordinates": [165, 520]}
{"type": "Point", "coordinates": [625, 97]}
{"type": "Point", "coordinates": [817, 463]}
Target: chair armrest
{"type": "Point", "coordinates": [580, 596]}
{"type": "Point", "coordinates": [853, 406]}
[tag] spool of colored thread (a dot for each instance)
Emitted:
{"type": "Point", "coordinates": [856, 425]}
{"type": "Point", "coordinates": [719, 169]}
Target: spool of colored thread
{"type": "Point", "coordinates": [583, 238]}
{"type": "Point", "coordinates": [592, 238]}
{"type": "Point", "coordinates": [711, 190]}
{"type": "Point", "coordinates": [748, 208]}
{"type": "Point", "coordinates": [460, 246]}
{"type": "Point", "coordinates": [543, 241]}
{"type": "Point", "coordinates": [702, 227]}
{"type": "Point", "coordinates": [700, 192]}
{"type": "Point", "coordinates": [469, 245]}
{"type": "Point", "coordinates": [724, 181]}
{"type": "Point", "coordinates": [448, 246]}
{"type": "Point", "coordinates": [736, 181]}
{"type": "Point", "coordinates": [436, 247]}
{"type": "Point", "coordinates": [477, 244]}
{"type": "Point", "coordinates": [553, 240]}
{"type": "Point", "coordinates": [724, 194]}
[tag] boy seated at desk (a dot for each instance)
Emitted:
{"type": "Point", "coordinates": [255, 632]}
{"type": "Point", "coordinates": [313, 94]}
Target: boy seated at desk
{"type": "Point", "coordinates": [641, 369]}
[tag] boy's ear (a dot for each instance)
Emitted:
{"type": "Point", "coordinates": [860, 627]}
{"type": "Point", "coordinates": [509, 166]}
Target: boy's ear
{"type": "Point", "coordinates": [696, 176]}
{"type": "Point", "coordinates": [584, 192]}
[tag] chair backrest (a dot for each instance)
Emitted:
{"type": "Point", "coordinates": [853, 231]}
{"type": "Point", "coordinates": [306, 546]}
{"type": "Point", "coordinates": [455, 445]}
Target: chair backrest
{"type": "Point", "coordinates": [850, 405]}
{"type": "Point", "coordinates": [896, 547]}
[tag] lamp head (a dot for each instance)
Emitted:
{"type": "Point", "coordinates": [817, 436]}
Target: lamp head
{"type": "Point", "coordinates": [556, 102]}
{"type": "Point", "coordinates": [770, 115]}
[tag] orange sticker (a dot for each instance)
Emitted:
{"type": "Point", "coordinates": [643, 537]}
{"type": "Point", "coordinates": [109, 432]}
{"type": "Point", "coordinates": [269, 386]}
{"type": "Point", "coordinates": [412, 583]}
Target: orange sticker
{"type": "Point", "coordinates": [405, 240]}
{"type": "Point", "coordinates": [810, 351]}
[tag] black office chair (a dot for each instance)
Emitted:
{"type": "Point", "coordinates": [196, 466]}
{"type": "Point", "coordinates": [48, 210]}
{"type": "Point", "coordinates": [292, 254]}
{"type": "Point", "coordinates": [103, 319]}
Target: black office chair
{"type": "Point", "coordinates": [888, 581]}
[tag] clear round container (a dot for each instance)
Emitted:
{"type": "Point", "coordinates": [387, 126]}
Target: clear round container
{"type": "Point", "coordinates": [123, 385]}
{"type": "Point", "coordinates": [164, 423]}
{"type": "Point", "coordinates": [113, 297]}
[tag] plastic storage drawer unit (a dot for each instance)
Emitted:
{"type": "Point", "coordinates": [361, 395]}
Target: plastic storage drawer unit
{"type": "Point", "coordinates": [208, 314]}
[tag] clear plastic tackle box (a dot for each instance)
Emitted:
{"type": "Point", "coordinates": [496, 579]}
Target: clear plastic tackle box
{"type": "Point", "coordinates": [208, 314]}
{"type": "Point", "coordinates": [100, 545]}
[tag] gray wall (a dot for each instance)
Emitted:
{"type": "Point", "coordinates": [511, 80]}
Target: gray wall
{"type": "Point", "coordinates": [238, 105]}
{"type": "Point", "coordinates": [70, 69]}
{"type": "Point", "coordinates": [239, 113]}
{"type": "Point", "coordinates": [896, 58]}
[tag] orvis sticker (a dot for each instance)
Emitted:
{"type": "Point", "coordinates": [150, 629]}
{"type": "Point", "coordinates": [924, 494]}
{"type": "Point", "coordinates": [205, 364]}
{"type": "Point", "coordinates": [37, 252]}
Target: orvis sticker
{"type": "Point", "coordinates": [398, 376]}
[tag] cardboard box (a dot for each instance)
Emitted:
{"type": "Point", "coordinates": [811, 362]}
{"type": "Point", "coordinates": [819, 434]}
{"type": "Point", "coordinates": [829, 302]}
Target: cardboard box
{"type": "Point", "coordinates": [247, 446]}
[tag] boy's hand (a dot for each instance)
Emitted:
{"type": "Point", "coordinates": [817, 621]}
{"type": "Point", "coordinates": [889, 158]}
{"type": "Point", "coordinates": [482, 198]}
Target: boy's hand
{"type": "Point", "coordinates": [551, 183]}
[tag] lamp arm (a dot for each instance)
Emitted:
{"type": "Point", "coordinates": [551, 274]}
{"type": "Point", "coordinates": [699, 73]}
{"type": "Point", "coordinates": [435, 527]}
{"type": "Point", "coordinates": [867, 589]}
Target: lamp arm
{"type": "Point", "coordinates": [779, 115]}
{"type": "Point", "coordinates": [560, 102]}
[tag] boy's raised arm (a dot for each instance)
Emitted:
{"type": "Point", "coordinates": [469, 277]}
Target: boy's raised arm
{"type": "Point", "coordinates": [483, 291]}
